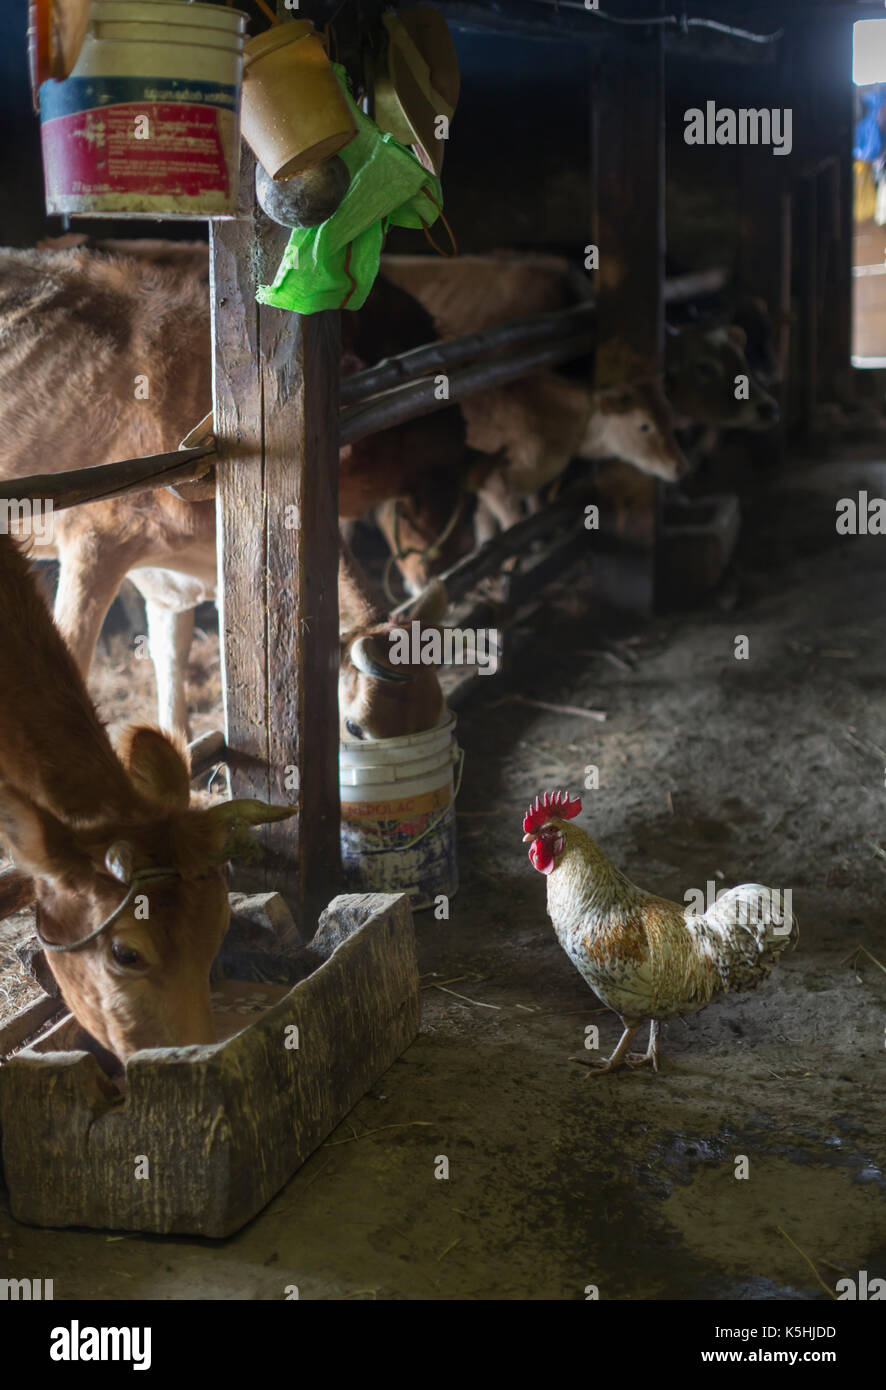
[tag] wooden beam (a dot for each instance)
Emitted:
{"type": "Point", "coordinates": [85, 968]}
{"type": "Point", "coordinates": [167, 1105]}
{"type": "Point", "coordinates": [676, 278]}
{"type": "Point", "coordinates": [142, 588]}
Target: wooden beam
{"type": "Point", "coordinates": [698, 284]}
{"type": "Point", "coordinates": [628, 154]}
{"type": "Point", "coordinates": [276, 419]}
{"type": "Point", "coordinates": [16, 891]}
{"type": "Point", "coordinates": [80, 485]}
{"type": "Point", "coordinates": [764, 251]}
{"type": "Point", "coordinates": [422, 397]}
{"type": "Point", "coordinates": [454, 352]}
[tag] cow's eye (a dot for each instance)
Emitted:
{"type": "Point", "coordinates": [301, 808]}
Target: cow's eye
{"type": "Point", "coordinates": [644, 429]}
{"type": "Point", "coordinates": [354, 729]}
{"type": "Point", "coordinates": [126, 956]}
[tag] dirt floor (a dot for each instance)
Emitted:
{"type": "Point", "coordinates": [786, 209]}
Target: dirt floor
{"type": "Point", "coordinates": [770, 769]}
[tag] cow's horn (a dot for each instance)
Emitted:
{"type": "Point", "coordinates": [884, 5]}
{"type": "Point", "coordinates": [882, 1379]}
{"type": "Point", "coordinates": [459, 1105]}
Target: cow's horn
{"type": "Point", "coordinates": [245, 812]}
{"type": "Point", "coordinates": [361, 657]}
{"type": "Point", "coordinates": [119, 860]}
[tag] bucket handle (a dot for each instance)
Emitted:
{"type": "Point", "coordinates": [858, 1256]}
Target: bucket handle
{"type": "Point", "coordinates": [432, 825]}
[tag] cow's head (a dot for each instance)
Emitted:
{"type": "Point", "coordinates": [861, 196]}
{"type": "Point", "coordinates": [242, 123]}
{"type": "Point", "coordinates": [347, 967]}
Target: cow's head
{"type": "Point", "coordinates": [711, 383]}
{"type": "Point", "coordinates": [381, 698]}
{"type": "Point", "coordinates": [633, 422]}
{"type": "Point", "coordinates": [143, 979]}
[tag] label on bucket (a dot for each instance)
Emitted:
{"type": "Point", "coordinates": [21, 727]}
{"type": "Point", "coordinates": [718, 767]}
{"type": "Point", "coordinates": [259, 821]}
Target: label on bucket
{"type": "Point", "coordinates": [380, 853]}
{"type": "Point", "coordinates": [146, 137]}
{"type": "Point", "coordinates": [397, 820]}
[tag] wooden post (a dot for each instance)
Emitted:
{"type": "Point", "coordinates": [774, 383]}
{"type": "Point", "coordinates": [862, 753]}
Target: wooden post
{"type": "Point", "coordinates": [276, 423]}
{"type": "Point", "coordinates": [628, 159]}
{"type": "Point", "coordinates": [764, 260]}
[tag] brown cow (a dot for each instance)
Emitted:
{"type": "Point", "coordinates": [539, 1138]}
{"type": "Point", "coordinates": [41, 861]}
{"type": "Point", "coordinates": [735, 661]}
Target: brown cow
{"type": "Point", "coordinates": [538, 424]}
{"type": "Point", "coordinates": [106, 356]}
{"type": "Point", "coordinates": [129, 880]}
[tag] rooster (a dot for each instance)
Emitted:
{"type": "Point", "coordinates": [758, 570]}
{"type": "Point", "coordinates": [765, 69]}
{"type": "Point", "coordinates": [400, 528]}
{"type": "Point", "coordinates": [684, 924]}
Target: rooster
{"type": "Point", "coordinates": [643, 956]}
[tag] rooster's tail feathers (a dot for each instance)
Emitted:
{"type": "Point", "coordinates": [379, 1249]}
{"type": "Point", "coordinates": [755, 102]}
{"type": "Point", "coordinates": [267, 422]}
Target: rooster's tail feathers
{"type": "Point", "coordinates": [745, 931]}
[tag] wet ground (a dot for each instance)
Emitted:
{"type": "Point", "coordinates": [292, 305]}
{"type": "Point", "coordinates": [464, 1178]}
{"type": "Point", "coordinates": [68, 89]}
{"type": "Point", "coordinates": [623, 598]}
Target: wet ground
{"type": "Point", "coordinates": [770, 769]}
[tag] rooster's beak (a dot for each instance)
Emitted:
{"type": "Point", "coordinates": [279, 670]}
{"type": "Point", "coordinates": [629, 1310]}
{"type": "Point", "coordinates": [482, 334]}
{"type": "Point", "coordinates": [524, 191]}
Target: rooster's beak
{"type": "Point", "coordinates": [528, 837]}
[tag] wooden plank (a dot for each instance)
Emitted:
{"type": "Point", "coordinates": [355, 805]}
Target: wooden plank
{"type": "Point", "coordinates": [80, 485]}
{"type": "Point", "coordinates": [16, 891]}
{"type": "Point", "coordinates": [454, 352]}
{"type": "Point", "coordinates": [301, 370]}
{"type": "Point", "coordinates": [764, 251]}
{"type": "Point", "coordinates": [27, 1023]}
{"type": "Point", "coordinates": [809, 300]}
{"type": "Point", "coordinates": [422, 398]}
{"type": "Point", "coordinates": [223, 1127]}
{"type": "Point", "coordinates": [207, 751]}
{"type": "Point", "coordinates": [628, 145]}
{"type": "Point", "coordinates": [276, 418]}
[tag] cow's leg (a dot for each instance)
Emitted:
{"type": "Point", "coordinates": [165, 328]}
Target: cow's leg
{"type": "Point", "coordinates": [170, 633]}
{"type": "Point", "coordinates": [485, 524]}
{"type": "Point", "coordinates": [91, 570]}
{"type": "Point", "coordinates": [500, 498]}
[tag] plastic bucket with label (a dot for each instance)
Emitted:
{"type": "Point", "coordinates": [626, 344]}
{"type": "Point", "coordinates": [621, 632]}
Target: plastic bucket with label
{"type": "Point", "coordinates": [147, 124]}
{"type": "Point", "coordinates": [398, 814]}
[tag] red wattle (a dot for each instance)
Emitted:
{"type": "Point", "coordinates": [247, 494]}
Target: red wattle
{"type": "Point", "coordinates": [540, 857]}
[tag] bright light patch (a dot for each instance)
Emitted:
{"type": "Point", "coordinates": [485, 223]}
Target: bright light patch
{"type": "Point", "coordinates": [868, 52]}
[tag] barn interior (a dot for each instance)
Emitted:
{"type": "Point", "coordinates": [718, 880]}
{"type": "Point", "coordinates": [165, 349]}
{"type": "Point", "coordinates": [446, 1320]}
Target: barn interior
{"type": "Point", "coordinates": [704, 666]}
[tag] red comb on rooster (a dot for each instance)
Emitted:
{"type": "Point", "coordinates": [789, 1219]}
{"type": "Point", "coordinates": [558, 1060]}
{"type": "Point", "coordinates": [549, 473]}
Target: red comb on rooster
{"type": "Point", "coordinates": [548, 844]}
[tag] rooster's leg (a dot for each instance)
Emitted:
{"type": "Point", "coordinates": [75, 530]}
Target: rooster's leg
{"type": "Point", "coordinates": [638, 1059]}
{"type": "Point", "coordinates": [618, 1057]}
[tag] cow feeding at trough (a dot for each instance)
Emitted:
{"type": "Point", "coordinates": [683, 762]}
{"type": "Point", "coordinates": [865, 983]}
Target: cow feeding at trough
{"type": "Point", "coordinates": [128, 877]}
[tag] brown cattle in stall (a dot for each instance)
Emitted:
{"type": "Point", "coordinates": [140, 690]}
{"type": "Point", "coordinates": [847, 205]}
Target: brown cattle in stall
{"type": "Point", "coordinates": [535, 425]}
{"type": "Point", "coordinates": [104, 356]}
{"type": "Point", "coordinates": [541, 422]}
{"type": "Point", "coordinates": [129, 880]}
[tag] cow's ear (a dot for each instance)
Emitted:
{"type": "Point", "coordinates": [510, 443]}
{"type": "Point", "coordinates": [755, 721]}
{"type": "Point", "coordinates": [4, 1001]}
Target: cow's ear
{"type": "Point", "coordinates": [158, 765]}
{"type": "Point", "coordinates": [430, 606]}
{"type": "Point", "coordinates": [38, 841]}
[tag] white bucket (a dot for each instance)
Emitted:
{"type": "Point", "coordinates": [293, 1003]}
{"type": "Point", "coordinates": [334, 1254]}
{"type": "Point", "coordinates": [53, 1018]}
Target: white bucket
{"type": "Point", "coordinates": [398, 814]}
{"type": "Point", "coordinates": [148, 123]}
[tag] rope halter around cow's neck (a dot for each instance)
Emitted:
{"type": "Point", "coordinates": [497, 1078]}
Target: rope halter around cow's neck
{"type": "Point", "coordinates": [140, 878]}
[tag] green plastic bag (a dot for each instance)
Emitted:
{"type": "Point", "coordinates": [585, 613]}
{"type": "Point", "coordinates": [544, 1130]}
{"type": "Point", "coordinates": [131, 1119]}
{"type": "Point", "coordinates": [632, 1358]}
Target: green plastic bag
{"type": "Point", "coordinates": [334, 266]}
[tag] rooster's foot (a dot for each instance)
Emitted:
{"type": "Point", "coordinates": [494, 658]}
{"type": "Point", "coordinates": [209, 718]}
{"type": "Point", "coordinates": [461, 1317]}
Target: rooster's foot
{"type": "Point", "coordinates": [616, 1060]}
{"type": "Point", "coordinates": [597, 1068]}
{"type": "Point", "coordinates": [639, 1059]}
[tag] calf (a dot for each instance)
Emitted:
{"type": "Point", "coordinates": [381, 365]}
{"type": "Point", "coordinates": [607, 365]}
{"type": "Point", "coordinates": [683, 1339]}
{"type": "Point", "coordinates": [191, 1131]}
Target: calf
{"type": "Point", "coordinates": [128, 878]}
{"type": "Point", "coordinates": [710, 382]}
{"type": "Point", "coordinates": [541, 422]}
{"type": "Point", "coordinates": [538, 424]}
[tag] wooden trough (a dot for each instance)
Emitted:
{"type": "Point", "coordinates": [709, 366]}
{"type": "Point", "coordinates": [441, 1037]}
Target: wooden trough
{"type": "Point", "coordinates": [196, 1140]}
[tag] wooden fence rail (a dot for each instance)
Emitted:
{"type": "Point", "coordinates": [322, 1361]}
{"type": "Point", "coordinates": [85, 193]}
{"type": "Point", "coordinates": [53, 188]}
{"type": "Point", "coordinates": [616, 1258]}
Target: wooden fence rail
{"type": "Point", "coordinates": [80, 485]}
